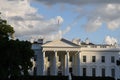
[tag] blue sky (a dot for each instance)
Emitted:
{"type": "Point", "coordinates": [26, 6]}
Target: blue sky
{"type": "Point", "coordinates": [96, 20]}
{"type": "Point", "coordinates": [77, 31]}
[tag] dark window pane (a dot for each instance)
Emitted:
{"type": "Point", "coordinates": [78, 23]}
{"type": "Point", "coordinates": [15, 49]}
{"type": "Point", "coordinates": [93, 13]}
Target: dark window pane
{"type": "Point", "coordinates": [113, 72]}
{"type": "Point", "coordinates": [93, 72]}
{"type": "Point", "coordinates": [35, 57]}
{"type": "Point", "coordinates": [103, 72]}
{"type": "Point", "coordinates": [84, 58]}
{"type": "Point", "coordinates": [103, 59]}
{"type": "Point", "coordinates": [35, 71]}
{"type": "Point", "coordinates": [112, 59]}
{"type": "Point", "coordinates": [84, 71]}
{"type": "Point", "coordinates": [93, 58]}
{"type": "Point", "coordinates": [70, 58]}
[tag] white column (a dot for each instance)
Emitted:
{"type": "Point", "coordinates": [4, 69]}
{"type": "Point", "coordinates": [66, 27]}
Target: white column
{"type": "Point", "coordinates": [44, 63]}
{"type": "Point", "coordinates": [73, 65]}
{"type": "Point", "coordinates": [55, 63]}
{"type": "Point", "coordinates": [67, 64]}
{"type": "Point", "coordinates": [63, 64]}
{"type": "Point", "coordinates": [78, 66]}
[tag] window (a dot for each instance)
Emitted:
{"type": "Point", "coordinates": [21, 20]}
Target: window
{"type": "Point", "coordinates": [70, 70]}
{"type": "Point", "coordinates": [70, 58]}
{"type": "Point", "coordinates": [103, 59]}
{"type": "Point", "coordinates": [84, 71]}
{"type": "Point", "coordinates": [113, 72]}
{"type": "Point", "coordinates": [112, 59]}
{"type": "Point", "coordinates": [93, 58]}
{"type": "Point", "coordinates": [103, 72]}
{"type": "Point", "coordinates": [35, 71]}
{"type": "Point", "coordinates": [84, 58]}
{"type": "Point", "coordinates": [93, 72]}
{"type": "Point", "coordinates": [59, 58]}
{"type": "Point", "coordinates": [48, 71]}
{"type": "Point", "coordinates": [35, 57]}
{"type": "Point", "coordinates": [48, 58]}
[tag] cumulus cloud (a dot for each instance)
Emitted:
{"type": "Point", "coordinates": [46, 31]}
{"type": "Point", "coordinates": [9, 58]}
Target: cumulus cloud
{"type": "Point", "coordinates": [110, 15]}
{"type": "Point", "coordinates": [93, 24]}
{"type": "Point", "coordinates": [56, 36]}
{"type": "Point", "coordinates": [28, 22]}
{"type": "Point", "coordinates": [101, 14]}
{"type": "Point", "coordinates": [104, 11]}
{"type": "Point", "coordinates": [112, 25]}
{"type": "Point", "coordinates": [25, 19]}
{"type": "Point", "coordinates": [110, 40]}
{"type": "Point", "coordinates": [59, 34]}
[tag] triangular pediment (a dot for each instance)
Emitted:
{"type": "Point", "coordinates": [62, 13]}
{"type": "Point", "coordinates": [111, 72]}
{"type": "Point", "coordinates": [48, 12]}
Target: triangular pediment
{"type": "Point", "coordinates": [60, 43]}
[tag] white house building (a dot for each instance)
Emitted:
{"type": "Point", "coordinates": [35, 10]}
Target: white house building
{"type": "Point", "coordinates": [63, 57]}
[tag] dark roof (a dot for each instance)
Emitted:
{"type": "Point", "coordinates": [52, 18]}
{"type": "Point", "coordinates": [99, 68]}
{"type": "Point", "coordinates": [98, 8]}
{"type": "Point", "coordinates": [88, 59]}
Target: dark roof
{"type": "Point", "coordinates": [69, 42]}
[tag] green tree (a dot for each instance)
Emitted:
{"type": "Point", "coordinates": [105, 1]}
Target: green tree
{"type": "Point", "coordinates": [5, 29]}
{"type": "Point", "coordinates": [15, 55]}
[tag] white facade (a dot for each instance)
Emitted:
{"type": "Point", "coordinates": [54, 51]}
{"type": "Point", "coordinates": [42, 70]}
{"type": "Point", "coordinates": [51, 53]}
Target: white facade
{"type": "Point", "coordinates": [105, 59]}
{"type": "Point", "coordinates": [62, 57]}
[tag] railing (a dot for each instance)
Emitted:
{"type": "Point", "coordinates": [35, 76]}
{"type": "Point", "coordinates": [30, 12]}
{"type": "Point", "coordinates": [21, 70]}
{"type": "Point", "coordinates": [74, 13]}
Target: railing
{"type": "Point", "coordinates": [99, 46]}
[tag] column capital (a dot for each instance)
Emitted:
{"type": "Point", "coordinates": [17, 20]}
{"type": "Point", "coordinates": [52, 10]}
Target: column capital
{"type": "Point", "coordinates": [79, 52]}
{"type": "Point", "coordinates": [43, 51]}
{"type": "Point", "coordinates": [55, 51]}
{"type": "Point", "coordinates": [67, 51]}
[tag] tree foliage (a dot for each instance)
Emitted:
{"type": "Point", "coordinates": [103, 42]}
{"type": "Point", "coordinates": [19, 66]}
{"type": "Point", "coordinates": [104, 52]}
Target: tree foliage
{"type": "Point", "coordinates": [5, 29]}
{"type": "Point", "coordinates": [15, 55]}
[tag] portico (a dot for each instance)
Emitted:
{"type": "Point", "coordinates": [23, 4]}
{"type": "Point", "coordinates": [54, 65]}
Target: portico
{"type": "Point", "coordinates": [63, 58]}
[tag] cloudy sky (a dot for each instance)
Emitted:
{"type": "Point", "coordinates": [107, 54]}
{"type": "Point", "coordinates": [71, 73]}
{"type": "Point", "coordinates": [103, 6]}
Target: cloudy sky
{"type": "Point", "coordinates": [98, 20]}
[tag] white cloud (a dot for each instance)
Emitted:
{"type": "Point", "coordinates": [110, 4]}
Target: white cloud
{"type": "Point", "coordinates": [104, 11]}
{"type": "Point", "coordinates": [55, 36]}
{"type": "Point", "coordinates": [110, 40]}
{"type": "Point", "coordinates": [110, 15]}
{"type": "Point", "coordinates": [101, 14]}
{"type": "Point", "coordinates": [93, 24]}
{"type": "Point", "coordinates": [27, 22]}
{"type": "Point", "coordinates": [58, 35]}
{"type": "Point", "coordinates": [107, 10]}
{"type": "Point", "coordinates": [112, 25]}
{"type": "Point", "coordinates": [25, 19]}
